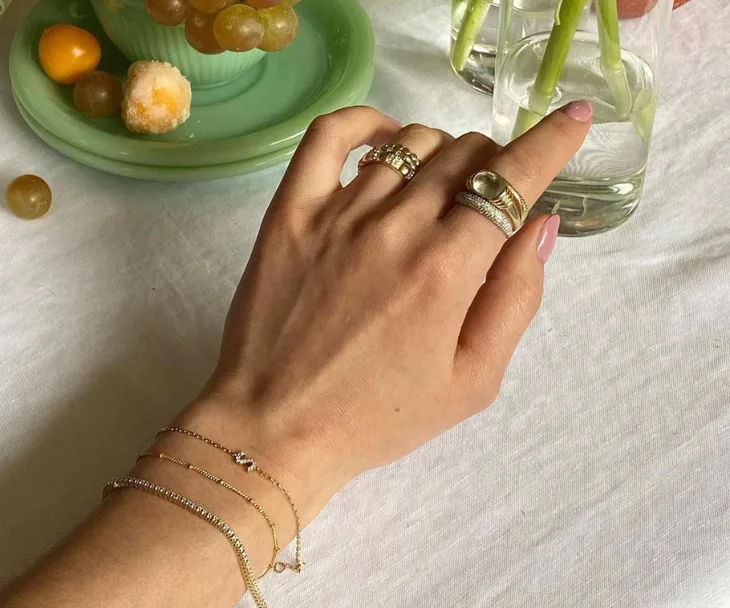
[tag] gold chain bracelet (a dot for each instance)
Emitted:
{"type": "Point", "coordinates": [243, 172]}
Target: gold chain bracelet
{"type": "Point", "coordinates": [249, 465]}
{"type": "Point", "coordinates": [227, 486]}
{"type": "Point", "coordinates": [191, 507]}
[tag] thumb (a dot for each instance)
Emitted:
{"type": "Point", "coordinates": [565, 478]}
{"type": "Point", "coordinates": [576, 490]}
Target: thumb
{"type": "Point", "coordinates": [506, 303]}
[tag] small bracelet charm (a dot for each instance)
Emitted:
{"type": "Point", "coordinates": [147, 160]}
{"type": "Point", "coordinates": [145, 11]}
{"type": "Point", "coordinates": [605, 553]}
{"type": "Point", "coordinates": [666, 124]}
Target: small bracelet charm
{"type": "Point", "coordinates": [249, 465]}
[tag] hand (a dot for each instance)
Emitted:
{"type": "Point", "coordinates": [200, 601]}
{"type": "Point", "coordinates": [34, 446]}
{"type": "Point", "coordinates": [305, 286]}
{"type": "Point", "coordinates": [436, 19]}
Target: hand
{"type": "Point", "coordinates": [363, 325]}
{"type": "Point", "coordinates": [362, 328]}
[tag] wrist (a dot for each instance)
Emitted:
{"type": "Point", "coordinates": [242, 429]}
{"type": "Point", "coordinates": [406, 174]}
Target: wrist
{"type": "Point", "coordinates": [296, 460]}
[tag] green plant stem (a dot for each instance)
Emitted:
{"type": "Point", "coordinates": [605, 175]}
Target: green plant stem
{"type": "Point", "coordinates": [474, 16]}
{"type": "Point", "coordinates": [612, 66]}
{"type": "Point", "coordinates": [643, 116]}
{"type": "Point", "coordinates": [567, 19]}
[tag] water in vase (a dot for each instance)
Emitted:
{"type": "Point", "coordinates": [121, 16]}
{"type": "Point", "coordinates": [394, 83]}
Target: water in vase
{"type": "Point", "coordinates": [478, 68]}
{"type": "Point", "coordinates": [602, 185]}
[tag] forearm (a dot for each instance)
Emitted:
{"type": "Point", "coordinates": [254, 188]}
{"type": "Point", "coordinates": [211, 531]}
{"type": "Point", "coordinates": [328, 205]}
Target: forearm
{"type": "Point", "coordinates": [135, 551]}
{"type": "Point", "coordinates": [138, 550]}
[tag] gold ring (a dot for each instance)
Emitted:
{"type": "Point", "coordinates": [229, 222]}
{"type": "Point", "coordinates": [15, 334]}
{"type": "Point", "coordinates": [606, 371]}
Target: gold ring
{"type": "Point", "coordinates": [397, 157]}
{"type": "Point", "coordinates": [498, 192]}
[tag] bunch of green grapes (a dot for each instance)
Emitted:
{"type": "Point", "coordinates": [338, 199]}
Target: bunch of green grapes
{"type": "Point", "coordinates": [214, 26]}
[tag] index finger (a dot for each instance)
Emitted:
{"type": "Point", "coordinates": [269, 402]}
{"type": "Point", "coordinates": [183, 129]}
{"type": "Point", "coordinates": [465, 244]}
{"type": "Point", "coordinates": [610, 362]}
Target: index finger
{"type": "Point", "coordinates": [529, 163]}
{"type": "Point", "coordinates": [315, 170]}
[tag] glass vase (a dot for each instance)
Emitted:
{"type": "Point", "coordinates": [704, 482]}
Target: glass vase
{"type": "Point", "coordinates": [474, 28]}
{"type": "Point", "coordinates": [608, 52]}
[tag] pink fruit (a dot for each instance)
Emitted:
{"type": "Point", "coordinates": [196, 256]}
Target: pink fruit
{"type": "Point", "coordinates": [630, 9]}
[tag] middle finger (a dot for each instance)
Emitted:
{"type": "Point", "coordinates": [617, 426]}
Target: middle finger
{"type": "Point", "coordinates": [529, 164]}
{"type": "Point", "coordinates": [377, 182]}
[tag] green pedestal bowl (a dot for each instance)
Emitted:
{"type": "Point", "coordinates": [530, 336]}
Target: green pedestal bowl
{"type": "Point", "coordinates": [133, 32]}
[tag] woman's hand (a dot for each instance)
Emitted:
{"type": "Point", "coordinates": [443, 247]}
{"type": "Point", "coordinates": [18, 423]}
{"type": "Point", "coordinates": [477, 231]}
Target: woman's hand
{"type": "Point", "coordinates": [363, 325]}
{"type": "Point", "coordinates": [362, 328]}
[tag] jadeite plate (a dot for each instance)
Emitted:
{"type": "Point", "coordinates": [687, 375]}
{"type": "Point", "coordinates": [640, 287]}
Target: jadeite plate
{"type": "Point", "coordinates": [157, 173]}
{"type": "Point", "coordinates": [238, 128]}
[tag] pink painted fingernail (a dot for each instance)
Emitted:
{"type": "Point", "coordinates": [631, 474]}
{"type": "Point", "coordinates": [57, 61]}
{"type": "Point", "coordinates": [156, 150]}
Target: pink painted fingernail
{"type": "Point", "coordinates": [548, 237]}
{"type": "Point", "coordinates": [578, 110]}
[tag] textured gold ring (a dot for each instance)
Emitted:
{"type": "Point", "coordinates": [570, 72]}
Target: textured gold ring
{"type": "Point", "coordinates": [499, 193]}
{"type": "Point", "coordinates": [397, 157]}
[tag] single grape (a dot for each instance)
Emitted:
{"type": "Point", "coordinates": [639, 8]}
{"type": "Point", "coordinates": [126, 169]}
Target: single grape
{"type": "Point", "coordinates": [28, 197]}
{"type": "Point", "coordinates": [259, 4]}
{"type": "Point", "coordinates": [98, 95]}
{"type": "Point", "coordinates": [199, 32]}
{"type": "Point", "coordinates": [211, 6]}
{"type": "Point", "coordinates": [239, 28]}
{"type": "Point", "coordinates": [281, 27]}
{"type": "Point", "coordinates": [168, 12]}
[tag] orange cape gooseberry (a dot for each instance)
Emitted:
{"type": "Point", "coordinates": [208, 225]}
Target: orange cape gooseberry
{"type": "Point", "coordinates": [67, 53]}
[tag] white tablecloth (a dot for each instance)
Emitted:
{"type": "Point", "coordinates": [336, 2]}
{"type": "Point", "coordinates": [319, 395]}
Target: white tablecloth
{"type": "Point", "coordinates": [600, 478]}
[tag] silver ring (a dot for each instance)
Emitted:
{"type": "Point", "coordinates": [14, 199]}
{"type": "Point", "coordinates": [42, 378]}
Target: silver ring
{"type": "Point", "coordinates": [487, 209]}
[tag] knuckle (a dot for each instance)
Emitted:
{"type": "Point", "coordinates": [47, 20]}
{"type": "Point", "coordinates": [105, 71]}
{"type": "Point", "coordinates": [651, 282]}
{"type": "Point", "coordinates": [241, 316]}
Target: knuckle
{"type": "Point", "coordinates": [484, 380]}
{"type": "Point", "coordinates": [417, 131]}
{"type": "Point", "coordinates": [332, 124]}
{"type": "Point", "coordinates": [325, 124]}
{"type": "Point", "coordinates": [385, 235]}
{"type": "Point", "coordinates": [473, 138]}
{"type": "Point", "coordinates": [527, 294]}
{"type": "Point", "coordinates": [285, 222]}
{"type": "Point", "coordinates": [438, 267]}
{"type": "Point", "coordinates": [444, 137]}
{"type": "Point", "coordinates": [422, 134]}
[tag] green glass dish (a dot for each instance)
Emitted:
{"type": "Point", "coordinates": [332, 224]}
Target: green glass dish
{"type": "Point", "coordinates": [154, 173]}
{"type": "Point", "coordinates": [266, 111]}
{"type": "Point", "coordinates": [130, 28]}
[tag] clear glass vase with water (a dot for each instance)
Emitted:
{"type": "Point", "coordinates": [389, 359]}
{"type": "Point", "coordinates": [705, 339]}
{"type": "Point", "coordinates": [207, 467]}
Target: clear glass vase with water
{"type": "Point", "coordinates": [552, 52]}
{"type": "Point", "coordinates": [474, 30]}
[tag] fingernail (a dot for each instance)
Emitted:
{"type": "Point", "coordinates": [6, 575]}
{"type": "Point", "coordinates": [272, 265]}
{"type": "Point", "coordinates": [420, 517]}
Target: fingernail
{"type": "Point", "coordinates": [578, 110]}
{"type": "Point", "coordinates": [548, 237]}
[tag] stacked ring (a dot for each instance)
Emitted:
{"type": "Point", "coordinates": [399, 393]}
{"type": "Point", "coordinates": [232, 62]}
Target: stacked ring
{"type": "Point", "coordinates": [397, 157]}
{"type": "Point", "coordinates": [485, 208]}
{"type": "Point", "coordinates": [494, 197]}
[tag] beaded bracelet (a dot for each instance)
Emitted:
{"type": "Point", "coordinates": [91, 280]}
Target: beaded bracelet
{"type": "Point", "coordinates": [227, 486]}
{"type": "Point", "coordinates": [215, 521]}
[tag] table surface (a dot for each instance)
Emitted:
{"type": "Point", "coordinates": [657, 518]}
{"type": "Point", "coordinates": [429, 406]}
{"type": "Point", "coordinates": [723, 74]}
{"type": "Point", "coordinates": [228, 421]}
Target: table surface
{"type": "Point", "coordinates": [599, 478]}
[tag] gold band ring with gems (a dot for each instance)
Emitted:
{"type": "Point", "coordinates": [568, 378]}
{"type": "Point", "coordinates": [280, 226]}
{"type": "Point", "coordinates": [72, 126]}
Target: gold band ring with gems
{"type": "Point", "coordinates": [499, 193]}
{"type": "Point", "coordinates": [397, 157]}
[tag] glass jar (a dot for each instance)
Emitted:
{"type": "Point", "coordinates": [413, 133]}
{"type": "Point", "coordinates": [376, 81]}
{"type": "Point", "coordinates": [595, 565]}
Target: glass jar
{"type": "Point", "coordinates": [552, 52]}
{"type": "Point", "coordinates": [474, 27]}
